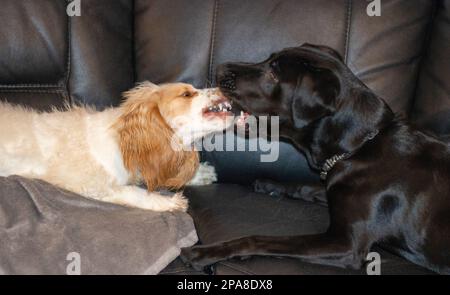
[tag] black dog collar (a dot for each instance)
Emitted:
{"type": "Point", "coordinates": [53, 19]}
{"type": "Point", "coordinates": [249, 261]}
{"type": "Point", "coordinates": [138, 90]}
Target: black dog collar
{"type": "Point", "coordinates": [331, 162]}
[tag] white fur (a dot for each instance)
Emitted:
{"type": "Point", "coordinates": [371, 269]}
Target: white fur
{"type": "Point", "coordinates": [79, 151]}
{"type": "Point", "coordinates": [206, 174]}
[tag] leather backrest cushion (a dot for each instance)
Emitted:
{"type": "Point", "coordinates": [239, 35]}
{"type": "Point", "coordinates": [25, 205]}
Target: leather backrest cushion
{"type": "Point", "coordinates": [432, 107]}
{"type": "Point", "coordinates": [48, 58]}
{"type": "Point", "coordinates": [379, 50]}
{"type": "Point", "coordinates": [185, 41]}
{"type": "Point", "coordinates": [173, 40]}
{"type": "Point", "coordinates": [34, 43]}
{"type": "Point", "coordinates": [385, 52]}
{"type": "Point", "coordinates": [40, 99]}
{"type": "Point", "coordinates": [34, 52]}
{"type": "Point", "coordinates": [102, 52]}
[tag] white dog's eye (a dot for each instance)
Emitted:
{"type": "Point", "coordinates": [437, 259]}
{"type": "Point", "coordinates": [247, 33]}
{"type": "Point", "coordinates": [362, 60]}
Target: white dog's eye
{"type": "Point", "coordinates": [187, 94]}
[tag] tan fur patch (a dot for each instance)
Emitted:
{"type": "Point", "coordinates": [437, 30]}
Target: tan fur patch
{"type": "Point", "coordinates": [145, 141]}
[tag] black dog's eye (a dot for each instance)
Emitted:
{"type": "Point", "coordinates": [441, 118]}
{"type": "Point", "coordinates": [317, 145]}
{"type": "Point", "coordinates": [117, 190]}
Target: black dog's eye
{"type": "Point", "coordinates": [304, 63]}
{"type": "Point", "coordinates": [274, 68]}
{"type": "Point", "coordinates": [310, 67]}
{"type": "Point", "coordinates": [274, 64]}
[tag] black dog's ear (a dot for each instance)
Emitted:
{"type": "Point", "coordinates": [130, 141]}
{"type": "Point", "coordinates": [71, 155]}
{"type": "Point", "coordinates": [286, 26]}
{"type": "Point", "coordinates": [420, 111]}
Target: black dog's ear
{"type": "Point", "coordinates": [324, 49]}
{"type": "Point", "coordinates": [360, 116]}
{"type": "Point", "coordinates": [314, 98]}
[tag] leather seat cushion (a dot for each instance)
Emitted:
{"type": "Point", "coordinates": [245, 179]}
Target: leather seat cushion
{"type": "Point", "coordinates": [225, 211]}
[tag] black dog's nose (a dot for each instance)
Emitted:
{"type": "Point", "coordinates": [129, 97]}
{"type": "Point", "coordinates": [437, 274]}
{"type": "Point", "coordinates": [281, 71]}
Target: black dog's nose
{"type": "Point", "coordinates": [225, 78]}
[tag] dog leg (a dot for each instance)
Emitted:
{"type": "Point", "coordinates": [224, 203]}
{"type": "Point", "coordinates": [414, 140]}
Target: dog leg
{"type": "Point", "coordinates": [314, 193]}
{"type": "Point", "coordinates": [321, 249]}
{"type": "Point", "coordinates": [206, 174]}
{"type": "Point", "coordinates": [345, 243]}
{"type": "Point", "coordinates": [134, 196]}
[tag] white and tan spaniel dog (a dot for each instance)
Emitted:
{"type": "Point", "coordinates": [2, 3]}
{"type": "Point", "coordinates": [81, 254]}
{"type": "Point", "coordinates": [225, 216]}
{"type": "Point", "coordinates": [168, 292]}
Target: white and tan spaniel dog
{"type": "Point", "coordinates": [105, 155]}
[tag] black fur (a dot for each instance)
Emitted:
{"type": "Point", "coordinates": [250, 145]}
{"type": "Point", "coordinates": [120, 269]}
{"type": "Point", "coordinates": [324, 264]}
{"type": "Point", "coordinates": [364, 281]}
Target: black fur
{"type": "Point", "coordinates": [393, 188]}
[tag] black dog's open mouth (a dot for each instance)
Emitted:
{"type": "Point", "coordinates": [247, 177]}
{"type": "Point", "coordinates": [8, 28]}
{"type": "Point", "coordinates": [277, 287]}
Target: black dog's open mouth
{"type": "Point", "coordinates": [227, 85]}
{"type": "Point", "coordinates": [239, 113]}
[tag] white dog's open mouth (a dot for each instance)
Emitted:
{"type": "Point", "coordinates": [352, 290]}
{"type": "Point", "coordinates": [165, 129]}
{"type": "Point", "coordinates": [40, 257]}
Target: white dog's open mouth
{"type": "Point", "coordinates": [221, 108]}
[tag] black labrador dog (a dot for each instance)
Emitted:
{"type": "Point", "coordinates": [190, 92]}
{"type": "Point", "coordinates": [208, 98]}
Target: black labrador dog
{"type": "Point", "coordinates": [384, 181]}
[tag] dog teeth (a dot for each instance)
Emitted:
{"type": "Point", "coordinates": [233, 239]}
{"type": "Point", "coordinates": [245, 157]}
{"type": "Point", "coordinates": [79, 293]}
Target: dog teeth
{"type": "Point", "coordinates": [221, 107]}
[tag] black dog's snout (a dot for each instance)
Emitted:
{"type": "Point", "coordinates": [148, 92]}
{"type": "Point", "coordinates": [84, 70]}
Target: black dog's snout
{"type": "Point", "coordinates": [226, 79]}
{"type": "Point", "coordinates": [228, 83]}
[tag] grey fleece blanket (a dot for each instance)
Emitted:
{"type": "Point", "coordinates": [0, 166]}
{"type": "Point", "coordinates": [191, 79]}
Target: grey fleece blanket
{"type": "Point", "coordinates": [46, 230]}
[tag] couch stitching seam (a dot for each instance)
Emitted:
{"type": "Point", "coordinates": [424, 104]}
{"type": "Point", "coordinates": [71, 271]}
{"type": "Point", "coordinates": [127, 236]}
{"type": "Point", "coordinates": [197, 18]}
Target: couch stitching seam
{"type": "Point", "coordinates": [423, 55]}
{"type": "Point", "coordinates": [213, 40]}
{"type": "Point", "coordinates": [69, 57]}
{"type": "Point", "coordinates": [347, 30]}
{"type": "Point", "coordinates": [37, 85]}
{"type": "Point", "coordinates": [32, 91]}
{"type": "Point", "coordinates": [47, 85]}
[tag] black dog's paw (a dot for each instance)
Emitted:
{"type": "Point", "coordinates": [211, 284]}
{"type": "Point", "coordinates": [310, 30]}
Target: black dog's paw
{"type": "Point", "coordinates": [188, 256]}
{"type": "Point", "coordinates": [195, 257]}
{"type": "Point", "coordinates": [268, 187]}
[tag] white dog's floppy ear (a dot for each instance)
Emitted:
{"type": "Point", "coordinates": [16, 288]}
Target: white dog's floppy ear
{"type": "Point", "coordinates": [145, 141]}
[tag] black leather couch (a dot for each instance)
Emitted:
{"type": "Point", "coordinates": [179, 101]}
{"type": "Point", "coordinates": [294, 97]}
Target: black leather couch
{"type": "Point", "coordinates": [48, 58]}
